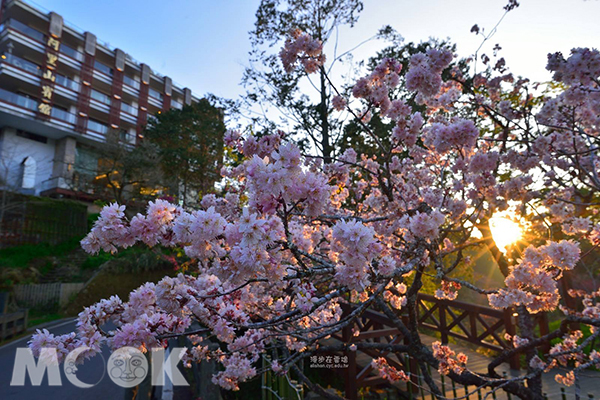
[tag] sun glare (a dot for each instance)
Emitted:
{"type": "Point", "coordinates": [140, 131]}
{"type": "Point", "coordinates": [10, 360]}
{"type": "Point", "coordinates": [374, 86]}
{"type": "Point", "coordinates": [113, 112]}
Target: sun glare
{"type": "Point", "coordinates": [505, 231]}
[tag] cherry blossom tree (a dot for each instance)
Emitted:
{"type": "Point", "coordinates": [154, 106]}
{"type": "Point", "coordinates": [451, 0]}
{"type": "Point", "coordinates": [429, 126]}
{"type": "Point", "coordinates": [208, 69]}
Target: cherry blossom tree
{"type": "Point", "coordinates": [298, 239]}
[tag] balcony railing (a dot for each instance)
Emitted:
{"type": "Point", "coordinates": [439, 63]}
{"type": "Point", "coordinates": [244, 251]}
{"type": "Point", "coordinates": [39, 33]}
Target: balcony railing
{"type": "Point", "coordinates": [32, 105]}
{"type": "Point", "coordinates": [63, 115]}
{"type": "Point", "coordinates": [156, 94]}
{"type": "Point", "coordinates": [97, 127]}
{"type": "Point", "coordinates": [34, 69]}
{"type": "Point", "coordinates": [71, 52]}
{"type": "Point", "coordinates": [105, 69]}
{"type": "Point", "coordinates": [27, 30]}
{"type": "Point", "coordinates": [39, 36]}
{"type": "Point", "coordinates": [22, 64]}
{"type": "Point", "coordinates": [129, 109]}
{"type": "Point", "coordinates": [66, 82]}
{"type": "Point", "coordinates": [18, 100]}
{"type": "Point", "coordinates": [131, 82]}
{"type": "Point", "coordinates": [176, 104]}
{"type": "Point", "coordinates": [101, 97]}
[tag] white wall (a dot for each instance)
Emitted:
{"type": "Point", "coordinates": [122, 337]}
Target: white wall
{"type": "Point", "coordinates": [14, 149]}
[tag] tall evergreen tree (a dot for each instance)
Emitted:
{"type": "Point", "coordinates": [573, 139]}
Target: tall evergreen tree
{"type": "Point", "coordinates": [190, 143]}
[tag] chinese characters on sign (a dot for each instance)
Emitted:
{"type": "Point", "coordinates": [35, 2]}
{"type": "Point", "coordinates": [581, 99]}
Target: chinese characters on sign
{"type": "Point", "coordinates": [45, 108]}
{"type": "Point", "coordinates": [53, 43]}
{"type": "Point", "coordinates": [51, 61]}
{"type": "Point", "coordinates": [328, 361]}
{"type": "Point", "coordinates": [48, 76]}
{"type": "Point", "coordinates": [47, 92]}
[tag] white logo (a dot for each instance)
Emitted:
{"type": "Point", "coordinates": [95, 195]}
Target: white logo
{"type": "Point", "coordinates": [70, 368]}
{"type": "Point", "coordinates": [127, 367]}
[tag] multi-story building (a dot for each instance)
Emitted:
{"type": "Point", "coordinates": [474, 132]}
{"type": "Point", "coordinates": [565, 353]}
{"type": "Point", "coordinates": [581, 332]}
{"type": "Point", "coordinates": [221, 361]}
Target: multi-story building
{"type": "Point", "coordinates": [61, 92]}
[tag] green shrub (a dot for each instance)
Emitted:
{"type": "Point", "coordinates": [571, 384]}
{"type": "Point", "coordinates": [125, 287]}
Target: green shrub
{"type": "Point", "coordinates": [91, 219]}
{"type": "Point", "coordinates": [93, 262]}
{"type": "Point", "coordinates": [21, 256]}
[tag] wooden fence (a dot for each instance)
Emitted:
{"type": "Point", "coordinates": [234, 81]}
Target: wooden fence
{"type": "Point", "coordinates": [45, 293]}
{"type": "Point", "coordinates": [482, 326]}
{"type": "Point", "coordinates": [477, 325]}
{"type": "Point", "coordinates": [32, 221]}
{"type": "Point", "coordinates": [12, 324]}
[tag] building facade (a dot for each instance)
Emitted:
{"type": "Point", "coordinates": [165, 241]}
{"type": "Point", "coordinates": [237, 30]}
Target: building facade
{"type": "Point", "coordinates": [61, 93]}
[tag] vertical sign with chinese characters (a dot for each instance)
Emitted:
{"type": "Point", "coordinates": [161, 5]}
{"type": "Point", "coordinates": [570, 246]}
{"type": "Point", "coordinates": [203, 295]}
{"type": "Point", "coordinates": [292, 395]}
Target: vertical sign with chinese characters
{"type": "Point", "coordinates": [49, 66]}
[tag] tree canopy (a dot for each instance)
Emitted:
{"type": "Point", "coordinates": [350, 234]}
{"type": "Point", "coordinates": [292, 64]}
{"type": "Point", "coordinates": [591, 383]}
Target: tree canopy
{"type": "Point", "coordinates": [124, 172]}
{"type": "Point", "coordinates": [294, 260]}
{"type": "Point", "coordinates": [190, 143]}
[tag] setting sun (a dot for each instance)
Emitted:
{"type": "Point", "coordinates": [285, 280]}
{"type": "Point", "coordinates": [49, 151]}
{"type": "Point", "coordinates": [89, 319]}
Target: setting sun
{"type": "Point", "coordinates": [505, 230]}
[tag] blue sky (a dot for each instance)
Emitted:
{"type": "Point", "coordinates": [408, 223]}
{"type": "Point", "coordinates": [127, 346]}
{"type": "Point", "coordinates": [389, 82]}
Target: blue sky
{"type": "Point", "coordinates": [203, 44]}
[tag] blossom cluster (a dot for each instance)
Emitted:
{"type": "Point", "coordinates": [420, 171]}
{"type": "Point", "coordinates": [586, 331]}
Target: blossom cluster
{"type": "Point", "coordinates": [279, 178]}
{"type": "Point", "coordinates": [448, 359]}
{"type": "Point", "coordinates": [354, 247]}
{"type": "Point", "coordinates": [533, 282]}
{"type": "Point", "coordinates": [579, 102]}
{"type": "Point", "coordinates": [591, 306]}
{"type": "Point", "coordinates": [448, 290]}
{"type": "Point", "coordinates": [582, 67]}
{"type": "Point", "coordinates": [301, 46]}
{"type": "Point", "coordinates": [425, 225]}
{"type": "Point", "coordinates": [424, 71]}
{"type": "Point", "coordinates": [395, 295]}
{"type": "Point", "coordinates": [375, 87]}
{"type": "Point", "coordinates": [460, 134]}
{"type": "Point", "coordinates": [386, 371]}
{"type": "Point", "coordinates": [63, 344]}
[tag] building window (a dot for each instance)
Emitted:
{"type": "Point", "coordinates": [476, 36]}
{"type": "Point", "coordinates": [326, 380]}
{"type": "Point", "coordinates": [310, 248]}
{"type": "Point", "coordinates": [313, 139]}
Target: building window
{"type": "Point", "coordinates": [96, 126]}
{"type": "Point", "coordinates": [27, 30]}
{"type": "Point", "coordinates": [129, 109]}
{"type": "Point", "coordinates": [131, 82]}
{"type": "Point", "coordinates": [32, 136]}
{"type": "Point", "coordinates": [23, 64]}
{"type": "Point", "coordinates": [103, 68]}
{"type": "Point", "coordinates": [67, 82]}
{"type": "Point", "coordinates": [156, 94]}
{"type": "Point", "coordinates": [62, 114]}
{"type": "Point", "coordinates": [126, 137]}
{"type": "Point", "coordinates": [101, 97]}
{"type": "Point", "coordinates": [86, 164]}
{"type": "Point", "coordinates": [71, 52]}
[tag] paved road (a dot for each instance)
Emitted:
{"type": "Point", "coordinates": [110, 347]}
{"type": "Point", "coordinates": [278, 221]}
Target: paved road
{"type": "Point", "coordinates": [91, 371]}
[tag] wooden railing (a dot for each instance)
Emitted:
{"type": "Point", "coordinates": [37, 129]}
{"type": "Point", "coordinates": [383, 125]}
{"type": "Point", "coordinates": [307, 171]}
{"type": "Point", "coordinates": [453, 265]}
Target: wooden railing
{"type": "Point", "coordinates": [372, 327]}
{"type": "Point", "coordinates": [482, 326]}
{"type": "Point", "coordinates": [465, 322]}
{"type": "Point", "coordinates": [12, 324]}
